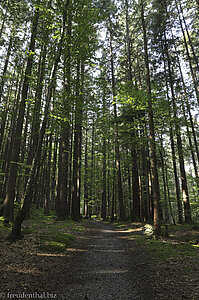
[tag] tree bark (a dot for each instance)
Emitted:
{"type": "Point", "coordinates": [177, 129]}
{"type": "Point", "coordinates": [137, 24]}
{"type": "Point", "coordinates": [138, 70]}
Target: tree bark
{"type": "Point", "coordinates": [117, 151]}
{"type": "Point", "coordinates": [37, 162]}
{"type": "Point", "coordinates": [187, 209]}
{"type": "Point", "coordinates": [154, 171]}
{"type": "Point", "coordinates": [10, 194]}
{"type": "Point", "coordinates": [104, 204]}
{"type": "Point", "coordinates": [77, 149]}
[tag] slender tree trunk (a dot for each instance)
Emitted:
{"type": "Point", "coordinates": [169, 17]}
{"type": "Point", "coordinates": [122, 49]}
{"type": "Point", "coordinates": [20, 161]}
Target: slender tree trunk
{"type": "Point", "coordinates": [188, 35]}
{"type": "Point", "coordinates": [86, 172]}
{"type": "Point", "coordinates": [3, 79]}
{"type": "Point", "coordinates": [108, 177]}
{"type": "Point", "coordinates": [36, 113]}
{"type": "Point", "coordinates": [191, 147]}
{"type": "Point", "coordinates": [166, 211]}
{"type": "Point", "coordinates": [135, 179]}
{"type": "Point", "coordinates": [9, 144]}
{"type": "Point", "coordinates": [10, 194]}
{"type": "Point", "coordinates": [188, 109]}
{"type": "Point", "coordinates": [130, 77]}
{"type": "Point", "coordinates": [103, 208]}
{"type": "Point", "coordinates": [189, 57]}
{"type": "Point", "coordinates": [54, 169]}
{"type": "Point", "coordinates": [171, 135]}
{"type": "Point", "coordinates": [113, 195]}
{"type": "Point", "coordinates": [187, 209]}
{"type": "Point", "coordinates": [62, 195]}
{"type": "Point", "coordinates": [135, 216]}
{"type": "Point", "coordinates": [37, 162]}
{"type": "Point", "coordinates": [168, 192]}
{"type": "Point", "coordinates": [117, 151]}
{"type": "Point", "coordinates": [5, 111]}
{"type": "Point", "coordinates": [4, 19]}
{"type": "Point", "coordinates": [155, 180]}
{"type": "Point", "coordinates": [70, 169]}
{"type": "Point", "coordinates": [77, 149]}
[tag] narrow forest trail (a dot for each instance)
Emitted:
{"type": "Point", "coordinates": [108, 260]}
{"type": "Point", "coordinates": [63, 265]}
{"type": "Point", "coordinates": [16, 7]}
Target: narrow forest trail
{"type": "Point", "coordinates": [106, 263]}
{"type": "Point", "coordinates": [111, 265]}
{"type": "Point", "coordinates": [109, 268]}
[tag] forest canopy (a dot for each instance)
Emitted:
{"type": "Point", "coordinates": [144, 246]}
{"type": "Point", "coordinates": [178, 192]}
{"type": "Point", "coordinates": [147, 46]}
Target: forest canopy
{"type": "Point", "coordinates": [99, 110]}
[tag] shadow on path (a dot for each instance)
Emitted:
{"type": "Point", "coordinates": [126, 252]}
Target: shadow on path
{"type": "Point", "coordinates": [110, 267]}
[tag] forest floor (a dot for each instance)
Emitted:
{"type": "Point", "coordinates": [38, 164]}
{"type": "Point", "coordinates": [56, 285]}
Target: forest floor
{"type": "Point", "coordinates": [105, 262]}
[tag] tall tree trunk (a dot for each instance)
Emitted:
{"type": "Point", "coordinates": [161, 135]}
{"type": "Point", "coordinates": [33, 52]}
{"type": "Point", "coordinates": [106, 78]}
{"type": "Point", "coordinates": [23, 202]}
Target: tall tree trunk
{"type": "Point", "coordinates": [54, 169]}
{"type": "Point", "coordinates": [86, 171]}
{"type": "Point", "coordinates": [70, 168]}
{"type": "Point", "coordinates": [187, 209]}
{"type": "Point", "coordinates": [188, 35]}
{"type": "Point", "coordinates": [47, 199]}
{"type": "Point", "coordinates": [135, 215]}
{"type": "Point", "coordinates": [154, 171]}
{"type": "Point", "coordinates": [171, 136]}
{"type": "Point", "coordinates": [103, 208]}
{"type": "Point", "coordinates": [77, 149]}
{"type": "Point", "coordinates": [62, 205]}
{"type": "Point", "coordinates": [10, 194]}
{"type": "Point", "coordinates": [166, 211]}
{"type": "Point", "coordinates": [130, 77]}
{"type": "Point", "coordinates": [168, 193]}
{"type": "Point", "coordinates": [37, 162]}
{"type": "Point", "coordinates": [188, 109]}
{"type": "Point", "coordinates": [92, 177]}
{"type": "Point", "coordinates": [117, 151]}
{"type": "Point", "coordinates": [191, 146]}
{"type": "Point", "coordinates": [3, 79]}
{"type": "Point", "coordinates": [4, 19]}
{"type": "Point", "coordinates": [9, 143]}
{"type": "Point", "coordinates": [189, 57]}
{"type": "Point", "coordinates": [5, 111]}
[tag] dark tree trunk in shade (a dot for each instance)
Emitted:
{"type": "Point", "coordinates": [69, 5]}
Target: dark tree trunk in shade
{"type": "Point", "coordinates": [154, 171]}
{"type": "Point", "coordinates": [104, 204]}
{"type": "Point", "coordinates": [37, 162]}
{"type": "Point", "coordinates": [10, 194]}
{"type": "Point", "coordinates": [185, 193]}
{"type": "Point", "coordinates": [117, 151]}
{"type": "Point", "coordinates": [77, 144]}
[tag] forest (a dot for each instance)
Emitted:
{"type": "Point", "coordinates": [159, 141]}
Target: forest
{"type": "Point", "coordinates": [99, 110]}
{"type": "Point", "coordinates": [99, 130]}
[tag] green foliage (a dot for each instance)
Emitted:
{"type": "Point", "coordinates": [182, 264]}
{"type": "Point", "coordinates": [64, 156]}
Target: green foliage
{"type": "Point", "coordinates": [163, 250]}
{"type": "Point", "coordinates": [131, 96]}
{"type": "Point", "coordinates": [3, 228]}
{"type": "Point", "coordinates": [55, 241]}
{"type": "Point", "coordinates": [183, 241]}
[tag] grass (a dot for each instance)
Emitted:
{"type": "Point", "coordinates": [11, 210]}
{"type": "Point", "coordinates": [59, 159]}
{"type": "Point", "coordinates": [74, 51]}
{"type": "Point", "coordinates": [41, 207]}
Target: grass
{"type": "Point", "coordinates": [3, 228]}
{"type": "Point", "coordinates": [183, 242]}
{"type": "Point", "coordinates": [55, 241]}
{"type": "Point", "coordinates": [38, 221]}
{"type": "Point", "coordinates": [50, 235]}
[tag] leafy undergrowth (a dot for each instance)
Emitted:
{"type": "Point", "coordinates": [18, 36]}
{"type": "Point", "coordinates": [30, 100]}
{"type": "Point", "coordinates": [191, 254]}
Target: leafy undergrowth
{"type": "Point", "coordinates": [48, 234]}
{"type": "Point", "coordinates": [183, 241]}
{"type": "Point", "coordinates": [55, 241]}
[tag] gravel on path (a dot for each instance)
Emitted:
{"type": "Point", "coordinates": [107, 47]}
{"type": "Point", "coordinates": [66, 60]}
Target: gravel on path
{"type": "Point", "coordinates": [109, 268]}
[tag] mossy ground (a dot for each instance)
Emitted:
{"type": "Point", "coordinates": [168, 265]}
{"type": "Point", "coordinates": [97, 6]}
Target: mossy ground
{"type": "Point", "coordinates": [49, 234]}
{"type": "Point", "coordinates": [55, 241]}
{"type": "Point", "coordinates": [183, 241]}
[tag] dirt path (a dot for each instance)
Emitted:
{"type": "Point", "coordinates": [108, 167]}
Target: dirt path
{"type": "Point", "coordinates": [105, 271]}
{"type": "Point", "coordinates": [112, 266]}
{"type": "Point", "coordinates": [109, 268]}
{"type": "Point", "coordinates": [104, 265]}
